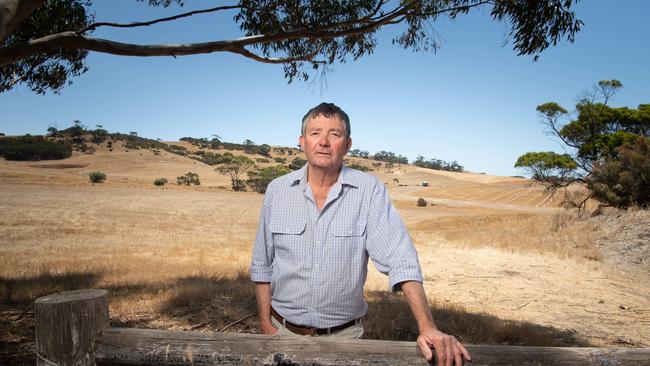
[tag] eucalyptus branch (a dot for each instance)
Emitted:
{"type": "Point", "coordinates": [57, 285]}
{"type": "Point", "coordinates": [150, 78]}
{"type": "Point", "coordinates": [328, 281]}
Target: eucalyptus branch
{"type": "Point", "coordinates": [76, 40]}
{"type": "Point", "coordinates": [270, 60]}
{"type": "Point", "coordinates": [160, 20]}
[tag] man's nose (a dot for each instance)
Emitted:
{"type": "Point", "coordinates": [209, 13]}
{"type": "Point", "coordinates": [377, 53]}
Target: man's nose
{"type": "Point", "coordinates": [324, 140]}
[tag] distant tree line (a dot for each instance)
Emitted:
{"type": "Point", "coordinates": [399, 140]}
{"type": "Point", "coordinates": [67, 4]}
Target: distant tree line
{"type": "Point", "coordinates": [438, 164]}
{"type": "Point", "coordinates": [248, 146]}
{"type": "Point", "coordinates": [33, 148]}
{"type": "Point", "coordinates": [359, 153]}
{"type": "Point", "coordinates": [390, 157]}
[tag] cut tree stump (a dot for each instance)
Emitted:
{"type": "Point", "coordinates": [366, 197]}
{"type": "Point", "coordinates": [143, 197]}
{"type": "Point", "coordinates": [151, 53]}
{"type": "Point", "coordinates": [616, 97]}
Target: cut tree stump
{"type": "Point", "coordinates": [66, 326]}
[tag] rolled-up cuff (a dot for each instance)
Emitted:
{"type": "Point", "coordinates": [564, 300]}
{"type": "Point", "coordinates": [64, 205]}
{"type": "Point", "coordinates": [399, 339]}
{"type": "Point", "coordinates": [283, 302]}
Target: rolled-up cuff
{"type": "Point", "coordinates": [394, 281]}
{"type": "Point", "coordinates": [258, 275]}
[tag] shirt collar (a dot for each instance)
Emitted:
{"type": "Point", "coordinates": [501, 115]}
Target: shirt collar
{"type": "Point", "coordinates": [346, 177]}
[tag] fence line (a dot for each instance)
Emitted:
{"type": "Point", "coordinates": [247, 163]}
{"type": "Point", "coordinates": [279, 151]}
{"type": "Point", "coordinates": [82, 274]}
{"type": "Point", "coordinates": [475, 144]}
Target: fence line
{"type": "Point", "coordinates": [71, 329]}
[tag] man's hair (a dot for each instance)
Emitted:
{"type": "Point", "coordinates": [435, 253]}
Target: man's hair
{"type": "Point", "coordinates": [327, 110]}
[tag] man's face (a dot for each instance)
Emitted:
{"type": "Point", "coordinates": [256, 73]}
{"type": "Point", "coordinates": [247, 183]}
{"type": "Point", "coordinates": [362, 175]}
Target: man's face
{"type": "Point", "coordinates": [324, 142]}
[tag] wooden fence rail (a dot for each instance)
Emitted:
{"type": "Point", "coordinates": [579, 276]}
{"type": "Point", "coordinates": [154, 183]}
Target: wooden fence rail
{"type": "Point", "coordinates": [71, 329]}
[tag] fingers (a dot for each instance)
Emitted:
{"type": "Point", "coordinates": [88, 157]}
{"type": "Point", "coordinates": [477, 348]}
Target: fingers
{"type": "Point", "coordinates": [425, 349]}
{"type": "Point", "coordinates": [449, 351]}
{"type": "Point", "coordinates": [440, 352]}
{"type": "Point", "coordinates": [464, 351]}
{"type": "Point", "coordinates": [457, 355]}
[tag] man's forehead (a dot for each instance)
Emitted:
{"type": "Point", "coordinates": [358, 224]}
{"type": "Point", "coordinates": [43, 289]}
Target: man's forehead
{"type": "Point", "coordinates": [316, 123]}
{"type": "Point", "coordinates": [331, 128]}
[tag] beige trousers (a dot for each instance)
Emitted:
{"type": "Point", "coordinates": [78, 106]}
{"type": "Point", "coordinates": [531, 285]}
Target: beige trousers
{"type": "Point", "coordinates": [351, 332]}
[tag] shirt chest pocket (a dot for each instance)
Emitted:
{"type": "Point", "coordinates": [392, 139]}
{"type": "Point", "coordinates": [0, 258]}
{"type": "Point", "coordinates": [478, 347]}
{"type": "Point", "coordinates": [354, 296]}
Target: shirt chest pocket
{"type": "Point", "coordinates": [288, 236]}
{"type": "Point", "coordinates": [348, 228]}
{"type": "Point", "coordinates": [347, 242]}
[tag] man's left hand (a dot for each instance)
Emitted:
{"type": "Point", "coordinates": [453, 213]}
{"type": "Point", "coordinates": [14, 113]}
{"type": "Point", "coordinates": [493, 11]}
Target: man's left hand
{"type": "Point", "coordinates": [448, 350]}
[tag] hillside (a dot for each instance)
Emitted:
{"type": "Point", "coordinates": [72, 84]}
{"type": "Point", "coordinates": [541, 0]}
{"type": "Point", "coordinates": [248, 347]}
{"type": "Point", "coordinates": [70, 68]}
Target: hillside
{"type": "Point", "coordinates": [139, 167]}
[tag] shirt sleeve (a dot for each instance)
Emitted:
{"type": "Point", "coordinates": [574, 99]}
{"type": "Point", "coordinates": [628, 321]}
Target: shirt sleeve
{"type": "Point", "coordinates": [388, 243]}
{"type": "Point", "coordinates": [263, 250]}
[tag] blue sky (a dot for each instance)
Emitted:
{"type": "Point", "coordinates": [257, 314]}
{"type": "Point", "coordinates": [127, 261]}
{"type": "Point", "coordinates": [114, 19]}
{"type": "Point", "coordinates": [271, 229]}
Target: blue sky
{"type": "Point", "coordinates": [473, 101]}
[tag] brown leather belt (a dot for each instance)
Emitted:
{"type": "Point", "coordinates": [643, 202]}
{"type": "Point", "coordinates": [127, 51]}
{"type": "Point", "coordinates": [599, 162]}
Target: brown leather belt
{"type": "Point", "coordinates": [302, 330]}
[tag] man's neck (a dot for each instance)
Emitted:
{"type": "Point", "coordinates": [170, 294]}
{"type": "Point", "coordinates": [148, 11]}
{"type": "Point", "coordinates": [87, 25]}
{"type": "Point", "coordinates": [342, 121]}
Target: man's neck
{"type": "Point", "coordinates": [320, 181]}
{"type": "Point", "coordinates": [319, 177]}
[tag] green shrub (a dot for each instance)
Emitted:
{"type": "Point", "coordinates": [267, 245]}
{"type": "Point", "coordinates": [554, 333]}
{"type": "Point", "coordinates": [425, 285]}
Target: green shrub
{"type": "Point", "coordinates": [33, 148]}
{"type": "Point", "coordinates": [178, 150]}
{"type": "Point", "coordinates": [297, 163]}
{"type": "Point", "coordinates": [624, 181]}
{"type": "Point", "coordinates": [264, 149]}
{"type": "Point", "coordinates": [188, 179]}
{"type": "Point", "coordinates": [262, 160]}
{"type": "Point", "coordinates": [260, 179]}
{"type": "Point", "coordinates": [97, 177]}
{"type": "Point", "coordinates": [214, 158]}
{"type": "Point", "coordinates": [82, 147]}
{"type": "Point", "coordinates": [160, 181]}
{"type": "Point", "coordinates": [422, 202]}
{"type": "Point", "coordinates": [280, 160]}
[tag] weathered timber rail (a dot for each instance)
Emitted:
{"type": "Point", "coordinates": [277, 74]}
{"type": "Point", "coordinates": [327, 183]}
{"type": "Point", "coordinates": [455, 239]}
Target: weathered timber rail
{"type": "Point", "coordinates": [71, 329]}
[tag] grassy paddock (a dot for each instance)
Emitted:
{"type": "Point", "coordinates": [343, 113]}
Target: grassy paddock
{"type": "Point", "coordinates": [176, 259]}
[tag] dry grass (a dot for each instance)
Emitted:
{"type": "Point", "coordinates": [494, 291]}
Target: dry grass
{"type": "Point", "coordinates": [564, 233]}
{"type": "Point", "coordinates": [389, 318]}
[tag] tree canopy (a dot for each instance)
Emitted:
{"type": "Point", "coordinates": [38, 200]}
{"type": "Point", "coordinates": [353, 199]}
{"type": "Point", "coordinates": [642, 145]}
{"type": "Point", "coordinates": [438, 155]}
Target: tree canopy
{"type": "Point", "coordinates": [234, 169]}
{"type": "Point", "coordinates": [548, 167]}
{"type": "Point", "coordinates": [598, 129]}
{"type": "Point", "coordinates": [610, 147]}
{"type": "Point", "coordinates": [44, 43]}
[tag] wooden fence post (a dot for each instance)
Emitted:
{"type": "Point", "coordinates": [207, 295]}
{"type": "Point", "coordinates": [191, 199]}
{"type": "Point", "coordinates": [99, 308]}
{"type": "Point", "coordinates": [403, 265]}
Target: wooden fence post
{"type": "Point", "coordinates": [71, 330]}
{"type": "Point", "coordinates": [66, 326]}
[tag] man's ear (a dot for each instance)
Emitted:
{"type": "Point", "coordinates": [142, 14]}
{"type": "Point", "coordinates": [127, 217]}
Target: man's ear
{"type": "Point", "coordinates": [349, 145]}
{"type": "Point", "coordinates": [301, 142]}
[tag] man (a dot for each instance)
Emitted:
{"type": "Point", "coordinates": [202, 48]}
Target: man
{"type": "Point", "coordinates": [318, 226]}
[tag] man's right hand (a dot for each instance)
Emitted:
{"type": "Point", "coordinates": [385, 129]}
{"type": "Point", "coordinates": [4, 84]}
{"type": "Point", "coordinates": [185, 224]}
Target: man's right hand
{"type": "Point", "coordinates": [268, 328]}
{"type": "Point", "coordinates": [263, 296]}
